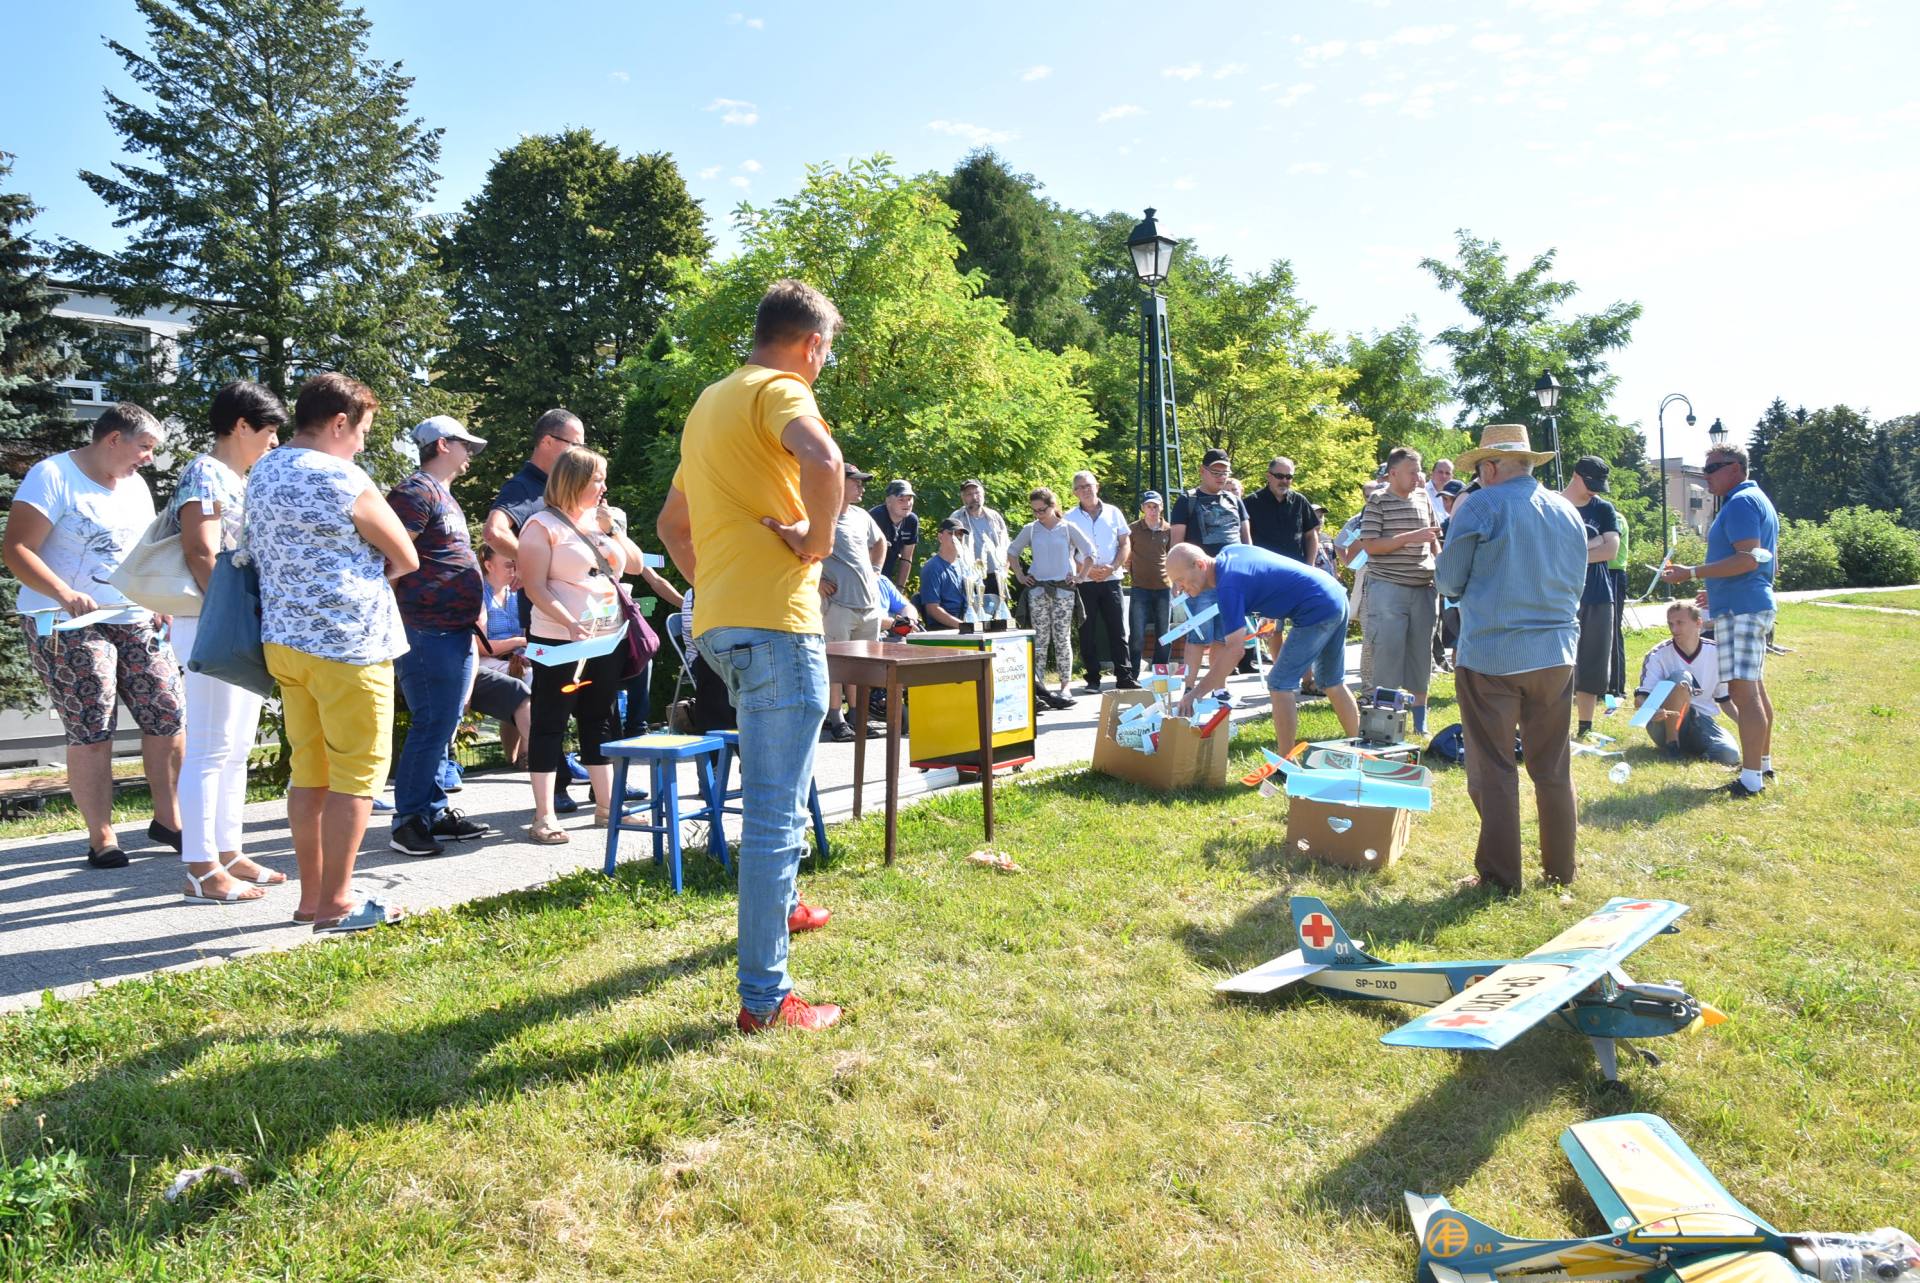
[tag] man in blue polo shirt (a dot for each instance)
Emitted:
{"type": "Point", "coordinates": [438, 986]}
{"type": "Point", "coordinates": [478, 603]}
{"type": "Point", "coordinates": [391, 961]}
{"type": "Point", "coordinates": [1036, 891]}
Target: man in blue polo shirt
{"type": "Point", "coordinates": [1246, 580]}
{"type": "Point", "coordinates": [1742, 548]}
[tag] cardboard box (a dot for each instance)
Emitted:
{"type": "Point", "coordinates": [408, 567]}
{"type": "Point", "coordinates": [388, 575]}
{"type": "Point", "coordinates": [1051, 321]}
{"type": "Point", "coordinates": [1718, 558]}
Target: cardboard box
{"type": "Point", "coordinates": [1354, 833]}
{"type": "Point", "coordinates": [1185, 759]}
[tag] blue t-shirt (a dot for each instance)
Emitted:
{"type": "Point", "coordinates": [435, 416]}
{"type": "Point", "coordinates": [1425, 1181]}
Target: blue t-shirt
{"type": "Point", "coordinates": [941, 585]}
{"type": "Point", "coordinates": [1600, 518]}
{"type": "Point", "coordinates": [1746, 513]}
{"type": "Point", "coordinates": [1252, 581]}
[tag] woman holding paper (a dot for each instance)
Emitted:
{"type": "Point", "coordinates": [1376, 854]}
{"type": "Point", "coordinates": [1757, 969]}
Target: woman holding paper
{"type": "Point", "coordinates": [571, 554]}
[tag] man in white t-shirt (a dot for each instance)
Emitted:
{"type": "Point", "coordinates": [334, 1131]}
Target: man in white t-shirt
{"type": "Point", "coordinates": [1692, 662]}
{"type": "Point", "coordinates": [74, 519]}
{"type": "Point", "coordinates": [1105, 527]}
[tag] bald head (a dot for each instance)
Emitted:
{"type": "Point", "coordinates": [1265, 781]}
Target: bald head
{"type": "Point", "coordinates": [1189, 569]}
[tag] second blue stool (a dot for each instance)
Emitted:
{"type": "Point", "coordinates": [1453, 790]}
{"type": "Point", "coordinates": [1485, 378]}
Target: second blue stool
{"type": "Point", "coordinates": [729, 750]}
{"type": "Point", "coordinates": [663, 755]}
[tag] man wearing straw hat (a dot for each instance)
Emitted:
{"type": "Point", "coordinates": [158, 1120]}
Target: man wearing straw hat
{"type": "Point", "coordinates": [1516, 561]}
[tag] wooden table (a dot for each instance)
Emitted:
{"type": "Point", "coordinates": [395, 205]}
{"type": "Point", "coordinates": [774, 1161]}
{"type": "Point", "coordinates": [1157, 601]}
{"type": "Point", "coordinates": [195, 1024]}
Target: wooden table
{"type": "Point", "coordinates": [894, 668]}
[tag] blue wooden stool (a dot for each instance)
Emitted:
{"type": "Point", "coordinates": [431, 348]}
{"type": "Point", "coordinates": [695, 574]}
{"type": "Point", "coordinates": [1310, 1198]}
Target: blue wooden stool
{"type": "Point", "coordinates": [730, 749]}
{"type": "Point", "coordinates": [663, 755]}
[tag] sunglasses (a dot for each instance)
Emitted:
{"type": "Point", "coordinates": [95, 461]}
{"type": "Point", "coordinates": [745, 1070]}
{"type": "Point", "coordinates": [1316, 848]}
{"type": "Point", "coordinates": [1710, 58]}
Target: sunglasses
{"type": "Point", "coordinates": [1718, 464]}
{"type": "Point", "coordinates": [1281, 476]}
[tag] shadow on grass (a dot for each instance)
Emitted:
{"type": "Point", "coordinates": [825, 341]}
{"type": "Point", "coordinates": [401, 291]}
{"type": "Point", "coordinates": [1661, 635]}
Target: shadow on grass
{"type": "Point", "coordinates": [1619, 810]}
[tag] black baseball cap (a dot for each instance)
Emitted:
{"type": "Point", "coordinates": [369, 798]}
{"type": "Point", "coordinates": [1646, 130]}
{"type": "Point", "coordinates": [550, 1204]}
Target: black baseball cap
{"type": "Point", "coordinates": [1593, 470]}
{"type": "Point", "coordinates": [855, 473]}
{"type": "Point", "coordinates": [953, 524]}
{"type": "Point", "coordinates": [1213, 456]}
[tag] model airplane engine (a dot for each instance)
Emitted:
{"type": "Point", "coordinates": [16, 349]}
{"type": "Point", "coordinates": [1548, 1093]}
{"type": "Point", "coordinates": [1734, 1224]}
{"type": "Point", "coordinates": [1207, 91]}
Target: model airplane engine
{"type": "Point", "coordinates": [1383, 719]}
{"type": "Point", "coordinates": [1884, 1254]}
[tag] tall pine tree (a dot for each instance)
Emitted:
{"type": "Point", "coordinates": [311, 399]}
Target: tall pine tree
{"type": "Point", "coordinates": [272, 193]}
{"type": "Point", "coordinates": [1767, 430]}
{"type": "Point", "coordinates": [1025, 247]}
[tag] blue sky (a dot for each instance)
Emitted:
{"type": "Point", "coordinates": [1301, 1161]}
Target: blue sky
{"type": "Point", "coordinates": [1747, 169]}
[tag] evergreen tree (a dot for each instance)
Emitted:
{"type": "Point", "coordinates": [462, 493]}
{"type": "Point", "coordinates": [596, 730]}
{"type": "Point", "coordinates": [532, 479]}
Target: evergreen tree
{"type": "Point", "coordinates": [37, 351]}
{"type": "Point", "coordinates": [1882, 483]}
{"type": "Point", "coordinates": [1820, 464]}
{"type": "Point", "coordinates": [1766, 430]}
{"type": "Point", "coordinates": [277, 206]}
{"type": "Point", "coordinates": [563, 266]}
{"type": "Point", "coordinates": [1025, 249]}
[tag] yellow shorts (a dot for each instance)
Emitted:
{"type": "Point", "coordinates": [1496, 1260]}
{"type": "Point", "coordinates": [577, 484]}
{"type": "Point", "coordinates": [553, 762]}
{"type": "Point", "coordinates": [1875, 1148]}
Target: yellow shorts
{"type": "Point", "coordinates": [339, 720]}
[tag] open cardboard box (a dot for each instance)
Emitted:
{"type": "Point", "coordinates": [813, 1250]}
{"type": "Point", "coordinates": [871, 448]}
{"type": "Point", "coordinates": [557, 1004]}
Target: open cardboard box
{"type": "Point", "coordinates": [1184, 760]}
{"type": "Point", "coordinates": [1353, 837]}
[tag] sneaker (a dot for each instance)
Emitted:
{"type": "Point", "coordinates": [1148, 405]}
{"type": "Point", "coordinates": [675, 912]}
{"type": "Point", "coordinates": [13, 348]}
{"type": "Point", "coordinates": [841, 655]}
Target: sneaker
{"type": "Point", "coordinates": [111, 858]}
{"type": "Point", "coordinates": [456, 827]}
{"type": "Point", "coordinates": [1062, 700]}
{"type": "Point", "coordinates": [1126, 684]}
{"type": "Point", "coordinates": [838, 733]}
{"type": "Point", "coordinates": [1739, 790]}
{"type": "Point", "coordinates": [563, 802]}
{"type": "Point", "coordinates": [792, 1011]}
{"type": "Point", "coordinates": [160, 833]}
{"type": "Point", "coordinates": [575, 771]}
{"type": "Point", "coordinates": [1092, 686]}
{"type": "Point", "coordinates": [382, 806]}
{"type": "Point", "coordinates": [806, 917]}
{"type": "Point", "coordinates": [411, 837]}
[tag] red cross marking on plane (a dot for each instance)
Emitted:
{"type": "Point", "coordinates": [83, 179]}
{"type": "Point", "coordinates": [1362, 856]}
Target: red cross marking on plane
{"type": "Point", "coordinates": [1640, 904]}
{"type": "Point", "coordinates": [1460, 1021]}
{"type": "Point", "coordinates": [1317, 930]}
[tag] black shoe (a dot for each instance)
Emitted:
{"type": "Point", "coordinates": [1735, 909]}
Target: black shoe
{"type": "Point", "coordinates": [1767, 775]}
{"type": "Point", "coordinates": [563, 803]}
{"type": "Point", "coordinates": [1126, 684]}
{"type": "Point", "coordinates": [111, 858]}
{"type": "Point", "coordinates": [455, 827]}
{"type": "Point", "coordinates": [411, 837]}
{"type": "Point", "coordinates": [1061, 701]}
{"type": "Point", "coordinates": [1739, 789]}
{"type": "Point", "coordinates": [838, 733]}
{"type": "Point", "coordinates": [1092, 687]}
{"type": "Point", "coordinates": [158, 832]}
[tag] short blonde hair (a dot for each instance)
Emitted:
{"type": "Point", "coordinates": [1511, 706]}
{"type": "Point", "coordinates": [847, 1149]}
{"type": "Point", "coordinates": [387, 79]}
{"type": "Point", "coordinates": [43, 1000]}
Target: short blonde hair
{"type": "Point", "coordinates": [572, 473]}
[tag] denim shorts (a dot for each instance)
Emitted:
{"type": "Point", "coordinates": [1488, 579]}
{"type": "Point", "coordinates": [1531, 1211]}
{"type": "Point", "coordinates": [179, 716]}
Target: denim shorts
{"type": "Point", "coordinates": [1321, 648]}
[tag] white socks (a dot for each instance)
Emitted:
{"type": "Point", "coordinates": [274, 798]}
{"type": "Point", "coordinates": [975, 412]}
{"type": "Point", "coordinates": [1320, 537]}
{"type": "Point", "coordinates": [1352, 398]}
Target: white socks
{"type": "Point", "coordinates": [1766, 763]}
{"type": "Point", "coordinates": [1753, 780]}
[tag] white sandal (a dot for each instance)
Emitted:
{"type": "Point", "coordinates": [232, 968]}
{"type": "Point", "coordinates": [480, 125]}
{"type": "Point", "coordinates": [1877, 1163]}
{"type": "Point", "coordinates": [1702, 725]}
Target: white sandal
{"type": "Point", "coordinates": [234, 896]}
{"type": "Point", "coordinates": [267, 878]}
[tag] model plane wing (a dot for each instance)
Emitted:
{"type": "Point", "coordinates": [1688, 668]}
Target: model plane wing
{"type": "Point", "coordinates": [1615, 929]}
{"type": "Point", "coordinates": [1268, 976]}
{"type": "Point", "coordinates": [1640, 1173]}
{"type": "Point", "coordinates": [1741, 1267]}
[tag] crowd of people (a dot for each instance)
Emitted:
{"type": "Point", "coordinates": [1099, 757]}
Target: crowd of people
{"type": "Point", "coordinates": [370, 599]}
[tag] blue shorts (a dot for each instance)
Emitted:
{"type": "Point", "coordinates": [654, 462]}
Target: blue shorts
{"type": "Point", "coordinates": [1320, 647]}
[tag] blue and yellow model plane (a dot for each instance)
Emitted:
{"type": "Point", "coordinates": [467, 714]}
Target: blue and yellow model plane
{"type": "Point", "coordinates": [1669, 1221]}
{"type": "Point", "coordinates": [1574, 980]}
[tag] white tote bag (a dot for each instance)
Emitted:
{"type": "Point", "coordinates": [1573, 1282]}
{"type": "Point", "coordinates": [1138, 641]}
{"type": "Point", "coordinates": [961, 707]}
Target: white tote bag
{"type": "Point", "coordinates": [155, 574]}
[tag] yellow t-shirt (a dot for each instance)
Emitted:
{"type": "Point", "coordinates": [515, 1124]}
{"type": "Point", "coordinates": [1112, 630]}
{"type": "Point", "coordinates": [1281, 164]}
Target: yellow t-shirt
{"type": "Point", "coordinates": [734, 471]}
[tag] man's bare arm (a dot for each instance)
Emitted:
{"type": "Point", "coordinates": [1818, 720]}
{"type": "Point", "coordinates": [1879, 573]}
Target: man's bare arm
{"type": "Point", "coordinates": [674, 525]}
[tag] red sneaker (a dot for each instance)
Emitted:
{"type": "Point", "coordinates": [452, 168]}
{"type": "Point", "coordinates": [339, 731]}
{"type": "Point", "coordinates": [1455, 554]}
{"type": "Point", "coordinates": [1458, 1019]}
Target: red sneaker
{"type": "Point", "coordinates": [807, 918]}
{"type": "Point", "coordinates": [793, 1011]}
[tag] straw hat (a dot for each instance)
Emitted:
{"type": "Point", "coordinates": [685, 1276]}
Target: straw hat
{"type": "Point", "coordinates": [1500, 441]}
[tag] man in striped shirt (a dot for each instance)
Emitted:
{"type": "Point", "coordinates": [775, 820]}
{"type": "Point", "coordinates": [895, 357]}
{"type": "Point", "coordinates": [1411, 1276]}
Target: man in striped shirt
{"type": "Point", "coordinates": [1400, 536]}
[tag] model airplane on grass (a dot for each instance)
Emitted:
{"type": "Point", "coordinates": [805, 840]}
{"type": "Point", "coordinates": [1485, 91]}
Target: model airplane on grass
{"type": "Point", "coordinates": [1573, 980]}
{"type": "Point", "coordinates": [1669, 1221]}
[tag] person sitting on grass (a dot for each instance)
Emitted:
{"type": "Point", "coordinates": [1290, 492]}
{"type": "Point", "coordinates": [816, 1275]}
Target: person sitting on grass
{"type": "Point", "coordinates": [1692, 663]}
{"type": "Point", "coordinates": [1246, 580]}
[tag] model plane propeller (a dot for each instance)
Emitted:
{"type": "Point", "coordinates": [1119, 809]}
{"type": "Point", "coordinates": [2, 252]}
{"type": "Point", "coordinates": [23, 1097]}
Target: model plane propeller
{"type": "Point", "coordinates": [1573, 980]}
{"type": "Point", "coordinates": [1669, 1221]}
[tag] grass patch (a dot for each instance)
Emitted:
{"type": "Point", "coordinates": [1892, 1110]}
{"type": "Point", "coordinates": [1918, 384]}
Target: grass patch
{"type": "Point", "coordinates": [1903, 599]}
{"type": "Point", "coordinates": [1035, 1080]}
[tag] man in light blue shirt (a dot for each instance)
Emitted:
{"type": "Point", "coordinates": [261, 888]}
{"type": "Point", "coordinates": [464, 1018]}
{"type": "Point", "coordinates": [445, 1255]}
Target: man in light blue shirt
{"type": "Point", "coordinates": [1516, 561]}
{"type": "Point", "coordinates": [1741, 550]}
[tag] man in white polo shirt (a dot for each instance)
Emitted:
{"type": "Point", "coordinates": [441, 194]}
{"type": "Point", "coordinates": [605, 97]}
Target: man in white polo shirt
{"type": "Point", "coordinates": [1106, 529]}
{"type": "Point", "coordinates": [1692, 662]}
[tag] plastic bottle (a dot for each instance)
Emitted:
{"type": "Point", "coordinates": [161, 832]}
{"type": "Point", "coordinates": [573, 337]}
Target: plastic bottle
{"type": "Point", "coordinates": [1620, 772]}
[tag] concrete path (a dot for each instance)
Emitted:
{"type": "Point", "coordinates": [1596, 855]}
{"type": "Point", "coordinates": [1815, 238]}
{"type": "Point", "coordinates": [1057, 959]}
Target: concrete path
{"type": "Point", "coordinates": [66, 927]}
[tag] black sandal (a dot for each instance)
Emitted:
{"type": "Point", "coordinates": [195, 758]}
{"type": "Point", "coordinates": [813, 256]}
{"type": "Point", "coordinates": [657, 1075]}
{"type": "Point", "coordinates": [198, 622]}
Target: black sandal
{"type": "Point", "coordinates": [111, 858]}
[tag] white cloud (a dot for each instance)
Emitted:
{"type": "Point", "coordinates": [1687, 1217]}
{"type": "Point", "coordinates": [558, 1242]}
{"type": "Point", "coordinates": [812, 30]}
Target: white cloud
{"type": "Point", "coordinates": [1121, 112]}
{"type": "Point", "coordinates": [975, 135]}
{"type": "Point", "coordinates": [734, 111]}
{"type": "Point", "coordinates": [619, 76]}
{"type": "Point", "coordinates": [1184, 183]}
{"type": "Point", "coordinates": [1497, 42]}
{"type": "Point", "coordinates": [710, 172]}
{"type": "Point", "coordinates": [1309, 167]}
{"type": "Point", "coordinates": [1325, 51]}
{"type": "Point", "coordinates": [1040, 72]}
{"type": "Point", "coordinates": [1293, 95]}
{"type": "Point", "coordinates": [742, 20]}
{"type": "Point", "coordinates": [1191, 71]}
{"type": "Point", "coordinates": [1376, 99]}
{"type": "Point", "coordinates": [1210, 104]}
{"type": "Point", "coordinates": [741, 183]}
{"type": "Point", "coordinates": [752, 166]}
{"type": "Point", "coordinates": [1227, 69]}
{"type": "Point", "coordinates": [1423, 35]}
{"type": "Point", "coordinates": [1606, 44]}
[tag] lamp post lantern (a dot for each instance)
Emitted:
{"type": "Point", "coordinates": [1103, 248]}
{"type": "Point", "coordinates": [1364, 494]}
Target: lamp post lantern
{"type": "Point", "coordinates": [1717, 435]}
{"type": "Point", "coordinates": [1156, 460]}
{"type": "Point", "coordinates": [1666, 530]}
{"type": "Point", "coordinates": [1546, 390]}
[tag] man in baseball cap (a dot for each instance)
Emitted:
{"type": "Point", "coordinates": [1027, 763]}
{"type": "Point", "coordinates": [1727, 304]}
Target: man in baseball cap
{"type": "Point", "coordinates": [444, 427]}
{"type": "Point", "coordinates": [901, 526]}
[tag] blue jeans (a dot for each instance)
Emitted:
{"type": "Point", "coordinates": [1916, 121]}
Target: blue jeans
{"type": "Point", "coordinates": [778, 682]}
{"type": "Point", "coordinates": [1700, 736]}
{"type": "Point", "coordinates": [433, 676]}
{"type": "Point", "coordinates": [1321, 648]}
{"type": "Point", "coordinates": [1147, 614]}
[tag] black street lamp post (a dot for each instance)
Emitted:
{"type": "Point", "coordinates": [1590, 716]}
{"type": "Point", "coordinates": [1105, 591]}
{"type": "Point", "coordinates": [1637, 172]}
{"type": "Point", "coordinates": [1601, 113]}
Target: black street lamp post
{"type": "Point", "coordinates": [1547, 392]}
{"type": "Point", "coordinates": [1666, 530]}
{"type": "Point", "coordinates": [1156, 459]}
{"type": "Point", "coordinates": [1717, 435]}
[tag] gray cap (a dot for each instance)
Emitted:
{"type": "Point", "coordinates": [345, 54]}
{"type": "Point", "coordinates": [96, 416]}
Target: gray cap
{"type": "Point", "coordinates": [444, 427]}
{"type": "Point", "coordinates": [900, 487]}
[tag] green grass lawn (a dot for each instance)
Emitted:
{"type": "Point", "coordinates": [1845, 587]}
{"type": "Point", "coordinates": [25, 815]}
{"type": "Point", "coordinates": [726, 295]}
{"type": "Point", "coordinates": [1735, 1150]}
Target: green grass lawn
{"type": "Point", "coordinates": [1904, 599]}
{"type": "Point", "coordinates": [1034, 1080]}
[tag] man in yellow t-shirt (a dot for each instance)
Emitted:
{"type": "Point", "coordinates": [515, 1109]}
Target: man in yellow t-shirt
{"type": "Point", "coordinates": [748, 520]}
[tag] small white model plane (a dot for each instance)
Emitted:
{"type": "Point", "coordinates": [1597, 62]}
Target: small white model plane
{"type": "Point", "coordinates": [1669, 1221]}
{"type": "Point", "coordinates": [1574, 980]}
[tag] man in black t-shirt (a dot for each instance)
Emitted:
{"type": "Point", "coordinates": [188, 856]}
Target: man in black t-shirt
{"type": "Point", "coordinates": [1282, 519]}
{"type": "Point", "coordinates": [1594, 661]}
{"type": "Point", "coordinates": [901, 526]}
{"type": "Point", "coordinates": [1211, 515]}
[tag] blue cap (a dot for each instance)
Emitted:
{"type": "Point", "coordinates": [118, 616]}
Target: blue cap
{"type": "Point", "coordinates": [1153, 496]}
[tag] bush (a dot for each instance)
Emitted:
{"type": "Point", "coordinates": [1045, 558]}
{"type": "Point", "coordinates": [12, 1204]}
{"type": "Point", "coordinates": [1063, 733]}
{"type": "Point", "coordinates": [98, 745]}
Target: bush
{"type": "Point", "coordinates": [1875, 550]}
{"type": "Point", "coordinates": [1809, 558]}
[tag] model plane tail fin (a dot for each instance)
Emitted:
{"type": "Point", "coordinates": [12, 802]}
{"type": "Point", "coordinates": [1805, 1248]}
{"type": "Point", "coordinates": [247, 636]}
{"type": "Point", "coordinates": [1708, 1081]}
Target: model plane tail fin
{"type": "Point", "coordinates": [1446, 1235]}
{"type": "Point", "coordinates": [1322, 939]}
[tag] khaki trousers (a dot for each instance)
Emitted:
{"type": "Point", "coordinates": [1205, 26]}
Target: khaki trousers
{"type": "Point", "coordinates": [1537, 705]}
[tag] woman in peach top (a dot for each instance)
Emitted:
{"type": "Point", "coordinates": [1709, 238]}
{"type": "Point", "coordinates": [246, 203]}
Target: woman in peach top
{"type": "Point", "coordinates": [573, 601]}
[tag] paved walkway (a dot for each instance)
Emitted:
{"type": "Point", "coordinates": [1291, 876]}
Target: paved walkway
{"type": "Point", "coordinates": [66, 927]}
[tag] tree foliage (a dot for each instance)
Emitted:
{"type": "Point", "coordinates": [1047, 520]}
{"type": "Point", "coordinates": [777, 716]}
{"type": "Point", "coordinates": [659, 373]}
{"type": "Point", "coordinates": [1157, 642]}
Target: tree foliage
{"type": "Point", "coordinates": [37, 351]}
{"type": "Point", "coordinates": [1875, 552]}
{"type": "Point", "coordinates": [926, 378]}
{"type": "Point", "coordinates": [562, 267]}
{"type": "Point", "coordinates": [276, 205]}
{"type": "Point", "coordinates": [1516, 330]}
{"type": "Point", "coordinates": [1026, 250]}
{"type": "Point", "coordinates": [1400, 394]}
{"type": "Point", "coordinates": [1821, 464]}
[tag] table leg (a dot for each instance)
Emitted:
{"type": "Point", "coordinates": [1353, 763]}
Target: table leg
{"type": "Point", "coordinates": [893, 763]}
{"type": "Point", "coordinates": [859, 745]}
{"type": "Point", "coordinates": [983, 695]}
